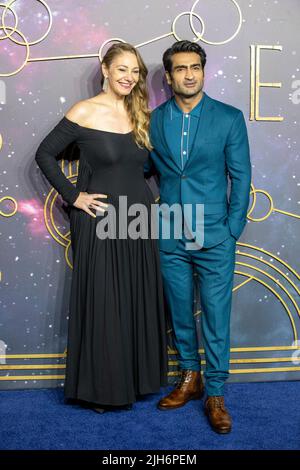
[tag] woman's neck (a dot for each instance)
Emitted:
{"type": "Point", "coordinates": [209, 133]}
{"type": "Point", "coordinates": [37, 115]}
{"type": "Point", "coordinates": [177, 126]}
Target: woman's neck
{"type": "Point", "coordinates": [116, 101]}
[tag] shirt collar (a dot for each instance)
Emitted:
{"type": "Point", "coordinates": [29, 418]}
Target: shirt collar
{"type": "Point", "coordinates": [176, 112]}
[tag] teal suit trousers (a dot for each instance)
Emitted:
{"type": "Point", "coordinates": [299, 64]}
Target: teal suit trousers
{"type": "Point", "coordinates": [215, 269]}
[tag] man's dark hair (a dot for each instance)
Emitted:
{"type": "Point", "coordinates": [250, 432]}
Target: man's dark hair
{"type": "Point", "coordinates": [183, 46]}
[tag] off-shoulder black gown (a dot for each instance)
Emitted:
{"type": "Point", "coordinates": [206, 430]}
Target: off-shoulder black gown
{"type": "Point", "coordinates": [117, 333]}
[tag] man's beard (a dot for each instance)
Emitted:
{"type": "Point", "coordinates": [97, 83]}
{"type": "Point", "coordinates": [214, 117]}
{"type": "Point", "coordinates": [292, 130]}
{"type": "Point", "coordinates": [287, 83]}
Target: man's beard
{"type": "Point", "coordinates": [185, 94]}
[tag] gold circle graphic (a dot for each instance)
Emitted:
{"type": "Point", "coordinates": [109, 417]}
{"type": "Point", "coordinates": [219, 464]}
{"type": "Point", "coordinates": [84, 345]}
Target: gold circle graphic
{"type": "Point", "coordinates": [10, 214]}
{"type": "Point", "coordinates": [26, 43]}
{"type": "Point", "coordinates": [188, 13]}
{"type": "Point", "coordinates": [107, 42]}
{"type": "Point", "coordinates": [216, 43]}
{"type": "Point", "coordinates": [271, 208]}
{"type": "Point", "coordinates": [27, 53]}
{"type": "Point", "coordinates": [7, 7]}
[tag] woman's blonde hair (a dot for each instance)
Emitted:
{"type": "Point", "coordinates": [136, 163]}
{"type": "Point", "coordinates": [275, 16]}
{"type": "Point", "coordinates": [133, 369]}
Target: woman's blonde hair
{"type": "Point", "coordinates": [137, 101]}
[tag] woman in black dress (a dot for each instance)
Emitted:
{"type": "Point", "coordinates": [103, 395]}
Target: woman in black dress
{"type": "Point", "coordinates": [117, 333]}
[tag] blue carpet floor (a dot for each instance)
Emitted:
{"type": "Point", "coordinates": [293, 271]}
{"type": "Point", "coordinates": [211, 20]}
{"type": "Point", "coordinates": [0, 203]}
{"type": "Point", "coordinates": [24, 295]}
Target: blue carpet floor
{"type": "Point", "coordinates": [265, 416]}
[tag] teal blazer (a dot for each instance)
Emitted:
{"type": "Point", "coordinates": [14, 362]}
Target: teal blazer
{"type": "Point", "coordinates": [217, 173]}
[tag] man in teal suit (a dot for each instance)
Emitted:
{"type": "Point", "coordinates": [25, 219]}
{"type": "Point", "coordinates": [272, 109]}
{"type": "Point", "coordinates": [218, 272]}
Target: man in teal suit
{"type": "Point", "coordinates": [200, 151]}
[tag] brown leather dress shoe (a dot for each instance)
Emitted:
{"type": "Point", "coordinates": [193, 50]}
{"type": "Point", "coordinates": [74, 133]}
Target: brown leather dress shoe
{"type": "Point", "coordinates": [217, 414]}
{"type": "Point", "coordinates": [190, 387]}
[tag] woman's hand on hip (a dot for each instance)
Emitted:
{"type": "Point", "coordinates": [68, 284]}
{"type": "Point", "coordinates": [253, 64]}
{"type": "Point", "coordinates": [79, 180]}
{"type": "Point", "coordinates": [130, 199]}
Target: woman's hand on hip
{"type": "Point", "coordinates": [86, 202]}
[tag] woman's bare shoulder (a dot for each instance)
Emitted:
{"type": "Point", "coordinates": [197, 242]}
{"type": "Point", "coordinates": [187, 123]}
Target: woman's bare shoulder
{"type": "Point", "coordinates": [82, 111]}
{"type": "Point", "coordinates": [79, 111]}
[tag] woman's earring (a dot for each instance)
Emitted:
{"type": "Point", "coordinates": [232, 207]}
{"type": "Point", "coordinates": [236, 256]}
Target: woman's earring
{"type": "Point", "coordinates": [105, 84]}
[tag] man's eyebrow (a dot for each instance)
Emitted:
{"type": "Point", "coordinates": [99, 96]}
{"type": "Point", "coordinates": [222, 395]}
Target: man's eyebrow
{"type": "Point", "coordinates": [185, 66]}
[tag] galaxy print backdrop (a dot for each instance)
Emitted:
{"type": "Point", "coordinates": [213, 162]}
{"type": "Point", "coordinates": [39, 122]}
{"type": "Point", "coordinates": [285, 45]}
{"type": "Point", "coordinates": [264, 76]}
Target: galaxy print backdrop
{"type": "Point", "coordinates": [49, 59]}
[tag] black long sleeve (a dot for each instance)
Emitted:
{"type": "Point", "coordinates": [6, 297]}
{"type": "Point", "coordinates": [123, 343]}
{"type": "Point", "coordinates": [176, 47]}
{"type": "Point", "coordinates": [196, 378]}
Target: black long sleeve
{"type": "Point", "coordinates": [57, 140]}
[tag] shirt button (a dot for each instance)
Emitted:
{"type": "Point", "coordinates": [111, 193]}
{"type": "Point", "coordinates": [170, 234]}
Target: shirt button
{"type": "Point", "coordinates": [186, 115]}
{"type": "Point", "coordinates": [183, 177]}
{"type": "Point", "coordinates": [185, 133]}
{"type": "Point", "coordinates": [184, 152]}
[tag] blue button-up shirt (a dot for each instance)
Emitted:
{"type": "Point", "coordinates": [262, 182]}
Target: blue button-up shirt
{"type": "Point", "coordinates": [183, 127]}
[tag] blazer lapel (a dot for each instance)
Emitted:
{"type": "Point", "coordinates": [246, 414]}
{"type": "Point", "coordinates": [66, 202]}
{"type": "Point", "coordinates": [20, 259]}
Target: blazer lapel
{"type": "Point", "coordinates": [158, 132]}
{"type": "Point", "coordinates": [166, 126]}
